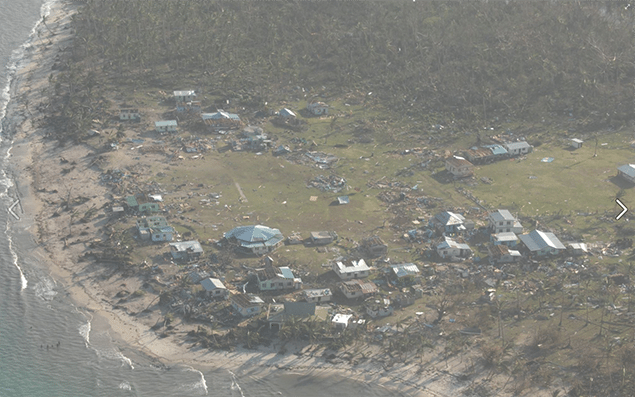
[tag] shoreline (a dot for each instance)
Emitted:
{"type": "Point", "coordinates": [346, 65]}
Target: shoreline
{"type": "Point", "coordinates": [31, 153]}
{"type": "Point", "coordinates": [36, 172]}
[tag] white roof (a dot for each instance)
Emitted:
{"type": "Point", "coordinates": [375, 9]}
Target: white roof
{"type": "Point", "coordinates": [506, 236]}
{"type": "Point", "coordinates": [517, 145]}
{"type": "Point", "coordinates": [185, 93]}
{"type": "Point", "coordinates": [342, 318]}
{"type": "Point", "coordinates": [538, 240]}
{"type": "Point", "coordinates": [165, 123]}
{"type": "Point", "coordinates": [578, 246]}
{"type": "Point", "coordinates": [352, 266]}
{"type": "Point", "coordinates": [449, 243]}
{"type": "Point", "coordinates": [405, 269]}
{"type": "Point", "coordinates": [576, 140]}
{"type": "Point", "coordinates": [211, 284]}
{"type": "Point", "coordinates": [501, 215]}
{"type": "Point", "coordinates": [315, 293]}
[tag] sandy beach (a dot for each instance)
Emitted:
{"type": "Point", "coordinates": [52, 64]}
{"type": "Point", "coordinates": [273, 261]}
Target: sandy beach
{"type": "Point", "coordinates": [40, 169]}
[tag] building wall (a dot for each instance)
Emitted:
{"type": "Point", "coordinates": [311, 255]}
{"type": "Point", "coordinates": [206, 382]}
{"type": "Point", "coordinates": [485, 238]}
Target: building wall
{"type": "Point", "coordinates": [628, 178]}
{"type": "Point", "coordinates": [246, 311]}
{"type": "Point", "coordinates": [350, 276]}
{"type": "Point", "coordinates": [316, 299]}
{"type": "Point", "coordinates": [162, 237]}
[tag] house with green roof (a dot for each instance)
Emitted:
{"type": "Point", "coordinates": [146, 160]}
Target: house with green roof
{"type": "Point", "coordinates": [139, 202]}
{"type": "Point", "coordinates": [155, 228]}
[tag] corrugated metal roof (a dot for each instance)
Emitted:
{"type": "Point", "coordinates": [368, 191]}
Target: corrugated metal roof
{"type": "Point", "coordinates": [628, 169]}
{"type": "Point", "coordinates": [537, 240]}
{"type": "Point", "coordinates": [501, 215]}
{"type": "Point", "coordinates": [352, 266]}
{"type": "Point", "coordinates": [254, 233]}
{"type": "Point", "coordinates": [287, 113]}
{"type": "Point", "coordinates": [192, 245]}
{"type": "Point", "coordinates": [315, 293]}
{"type": "Point", "coordinates": [165, 123]}
{"type": "Point", "coordinates": [286, 273]}
{"type": "Point", "coordinates": [448, 218]}
{"type": "Point", "coordinates": [506, 236]}
{"type": "Point", "coordinates": [405, 269]}
{"type": "Point", "coordinates": [497, 150]}
{"type": "Point", "coordinates": [517, 145]}
{"type": "Point", "coordinates": [211, 284]}
{"type": "Point", "coordinates": [450, 243]}
{"type": "Point", "coordinates": [220, 114]}
{"type": "Point", "coordinates": [185, 93]}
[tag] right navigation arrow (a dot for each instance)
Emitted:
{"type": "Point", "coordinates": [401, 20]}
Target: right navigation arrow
{"type": "Point", "coordinates": [624, 209]}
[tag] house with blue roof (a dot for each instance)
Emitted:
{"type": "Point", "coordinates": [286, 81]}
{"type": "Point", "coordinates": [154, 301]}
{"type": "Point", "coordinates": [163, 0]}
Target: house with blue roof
{"type": "Point", "coordinates": [255, 239]}
{"type": "Point", "coordinates": [273, 278]}
{"type": "Point", "coordinates": [155, 228]}
{"type": "Point", "coordinates": [497, 150]}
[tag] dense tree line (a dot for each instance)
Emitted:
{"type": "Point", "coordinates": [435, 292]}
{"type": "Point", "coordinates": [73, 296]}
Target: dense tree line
{"type": "Point", "coordinates": [469, 61]}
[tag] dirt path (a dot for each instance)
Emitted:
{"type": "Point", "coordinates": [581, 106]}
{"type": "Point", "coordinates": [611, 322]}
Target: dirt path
{"type": "Point", "coordinates": [243, 198]}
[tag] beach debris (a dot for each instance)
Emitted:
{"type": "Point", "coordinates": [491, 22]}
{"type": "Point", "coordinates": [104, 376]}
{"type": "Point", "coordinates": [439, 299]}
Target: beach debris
{"type": "Point", "coordinates": [332, 183]}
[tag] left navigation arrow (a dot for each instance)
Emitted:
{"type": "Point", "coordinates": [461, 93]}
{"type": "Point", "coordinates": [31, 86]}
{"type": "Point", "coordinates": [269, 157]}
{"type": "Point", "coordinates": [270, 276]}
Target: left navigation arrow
{"type": "Point", "coordinates": [624, 209]}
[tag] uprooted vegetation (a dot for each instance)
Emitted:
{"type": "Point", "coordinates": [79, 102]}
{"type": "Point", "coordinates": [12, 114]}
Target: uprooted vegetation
{"type": "Point", "coordinates": [515, 60]}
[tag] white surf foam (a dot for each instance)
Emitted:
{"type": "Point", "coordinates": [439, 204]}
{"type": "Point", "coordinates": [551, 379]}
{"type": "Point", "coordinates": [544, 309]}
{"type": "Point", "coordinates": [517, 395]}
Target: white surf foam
{"type": "Point", "coordinates": [201, 384]}
{"type": "Point", "coordinates": [84, 331]}
{"type": "Point", "coordinates": [23, 279]}
{"type": "Point", "coordinates": [45, 289]}
{"type": "Point", "coordinates": [113, 354]}
{"type": "Point", "coordinates": [235, 386]}
{"type": "Point", "coordinates": [125, 386]}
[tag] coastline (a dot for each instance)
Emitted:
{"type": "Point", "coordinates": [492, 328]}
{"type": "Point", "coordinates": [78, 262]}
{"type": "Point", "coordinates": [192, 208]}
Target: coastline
{"type": "Point", "coordinates": [37, 172]}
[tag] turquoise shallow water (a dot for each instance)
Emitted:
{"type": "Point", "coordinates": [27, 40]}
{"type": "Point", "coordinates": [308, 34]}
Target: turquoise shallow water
{"type": "Point", "coordinates": [48, 346]}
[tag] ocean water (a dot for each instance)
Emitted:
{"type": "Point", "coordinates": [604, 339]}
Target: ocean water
{"type": "Point", "coordinates": [48, 346]}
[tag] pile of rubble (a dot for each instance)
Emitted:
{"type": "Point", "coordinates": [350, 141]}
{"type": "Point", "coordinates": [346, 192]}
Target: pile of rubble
{"type": "Point", "coordinates": [113, 177]}
{"type": "Point", "coordinates": [331, 183]}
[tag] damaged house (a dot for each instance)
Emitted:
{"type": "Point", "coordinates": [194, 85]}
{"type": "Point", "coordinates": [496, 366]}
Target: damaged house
{"type": "Point", "coordinates": [155, 228]}
{"type": "Point", "coordinates": [450, 223]}
{"type": "Point", "coordinates": [221, 120]}
{"type": "Point", "coordinates": [186, 250]}
{"type": "Point", "coordinates": [214, 288]}
{"type": "Point", "coordinates": [165, 126]}
{"type": "Point", "coordinates": [273, 278]}
{"type": "Point", "coordinates": [354, 289]}
{"type": "Point", "coordinates": [142, 203]}
{"type": "Point", "coordinates": [318, 108]}
{"type": "Point", "coordinates": [246, 304]}
{"type": "Point", "coordinates": [349, 269]}
{"type": "Point", "coordinates": [499, 254]}
{"type": "Point", "coordinates": [459, 167]}
{"type": "Point", "coordinates": [374, 246]}
{"type": "Point", "coordinates": [450, 249]}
